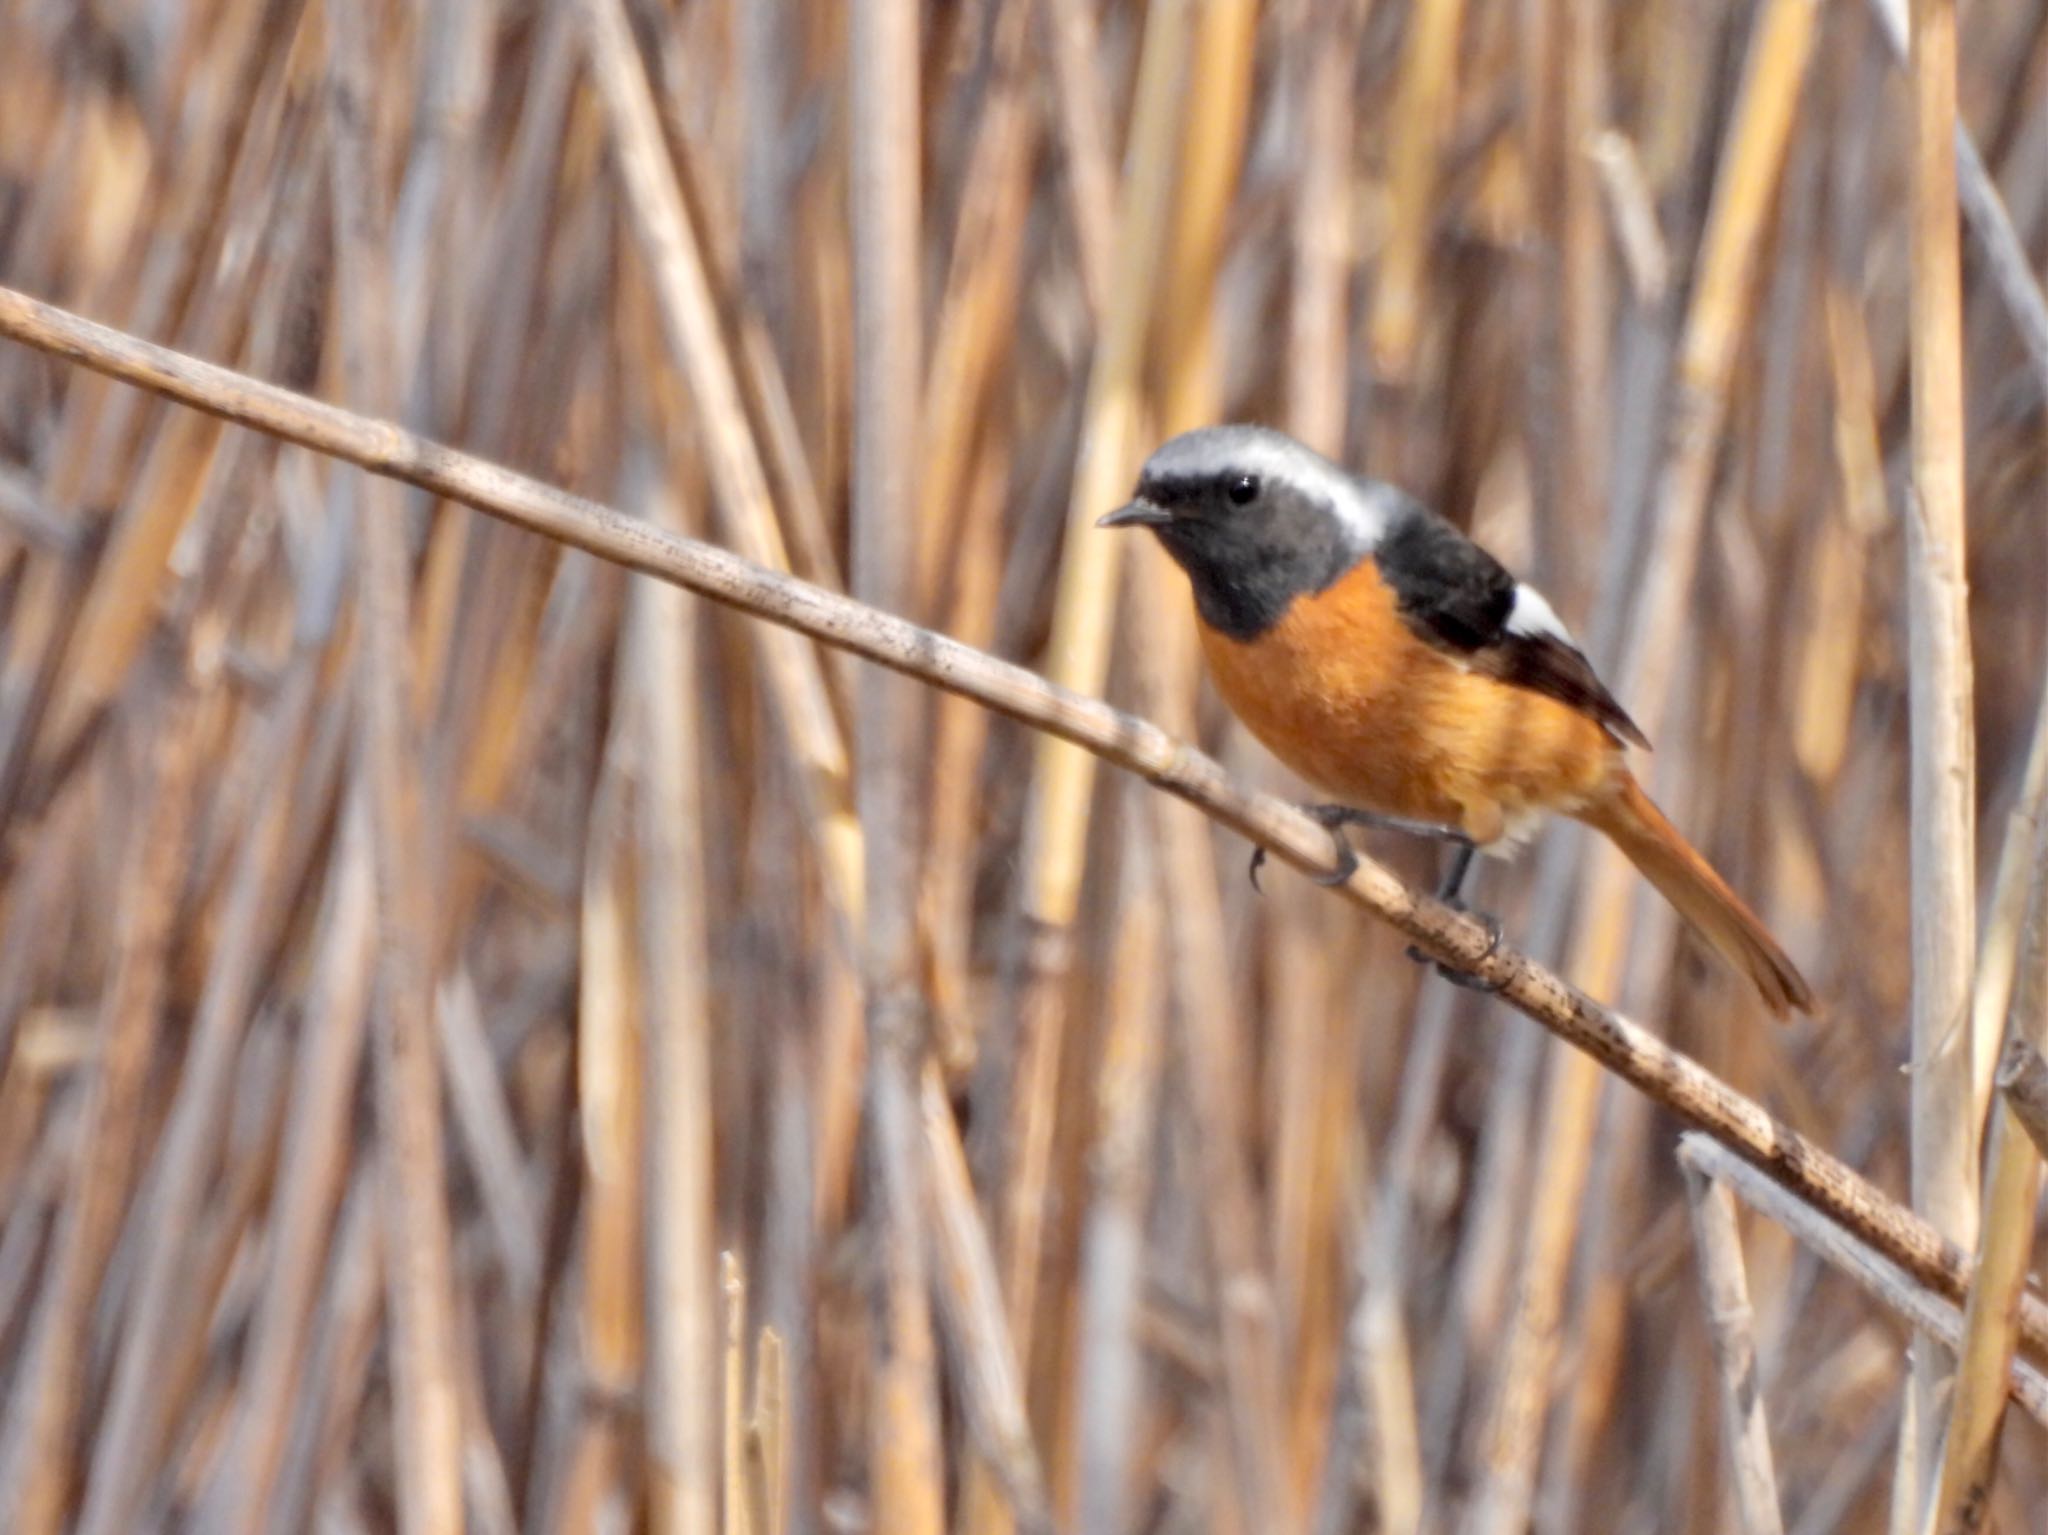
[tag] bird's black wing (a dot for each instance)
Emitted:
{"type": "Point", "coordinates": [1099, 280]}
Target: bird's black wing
{"type": "Point", "coordinates": [1463, 601]}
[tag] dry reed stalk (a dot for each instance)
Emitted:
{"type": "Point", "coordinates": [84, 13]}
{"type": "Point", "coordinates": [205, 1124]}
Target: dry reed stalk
{"type": "Point", "coordinates": [793, 675]}
{"type": "Point", "coordinates": [40, 878]}
{"type": "Point", "coordinates": [1211, 148]}
{"type": "Point", "coordinates": [1586, 268]}
{"type": "Point", "coordinates": [1308, 1125]}
{"type": "Point", "coordinates": [1091, 179]}
{"type": "Point", "coordinates": [598, 1366]}
{"type": "Point", "coordinates": [486, 1485]}
{"type": "Point", "coordinates": [1024, 1086]}
{"type": "Point", "coordinates": [1213, 1069]}
{"type": "Point", "coordinates": [1633, 216]}
{"type": "Point", "coordinates": [419, 1260]}
{"type": "Point", "coordinates": [975, 327]}
{"type": "Point", "coordinates": [739, 1509]}
{"type": "Point", "coordinates": [52, 1389]}
{"type": "Point", "coordinates": [2005, 1241]}
{"type": "Point", "coordinates": [1109, 1380]}
{"type": "Point", "coordinates": [340, 1338]}
{"type": "Point", "coordinates": [2004, 926]}
{"type": "Point", "coordinates": [961, 478]}
{"type": "Point", "coordinates": [483, 1124]}
{"type": "Point", "coordinates": [114, 620]}
{"type": "Point", "coordinates": [1673, 1079]}
{"type": "Point", "coordinates": [768, 1436]}
{"type": "Point", "coordinates": [2014, 927]}
{"type": "Point", "coordinates": [791, 671]}
{"type": "Point", "coordinates": [971, 1304]}
{"type": "Point", "coordinates": [1421, 116]}
{"type": "Point", "coordinates": [2023, 1085]}
{"type": "Point", "coordinates": [1375, 1418]}
{"type": "Point", "coordinates": [1217, 95]}
{"type": "Point", "coordinates": [1947, 1093]}
{"type": "Point", "coordinates": [1745, 182]}
{"type": "Point", "coordinates": [1896, 1289]}
{"type": "Point", "coordinates": [309, 1188]}
{"type": "Point", "coordinates": [959, 738]}
{"type": "Point", "coordinates": [513, 249]}
{"type": "Point", "coordinates": [1318, 324]}
{"type": "Point", "coordinates": [101, 437]}
{"type": "Point", "coordinates": [764, 386]}
{"type": "Point", "coordinates": [682, 1420]}
{"type": "Point", "coordinates": [906, 1468]}
{"type": "Point", "coordinates": [132, 1421]}
{"type": "Point", "coordinates": [2003, 251]}
{"type": "Point", "coordinates": [1724, 1290]}
{"type": "Point", "coordinates": [1317, 371]}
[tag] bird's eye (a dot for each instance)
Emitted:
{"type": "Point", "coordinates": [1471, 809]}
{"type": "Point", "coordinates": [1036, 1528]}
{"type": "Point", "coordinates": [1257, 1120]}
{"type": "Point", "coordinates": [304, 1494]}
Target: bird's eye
{"type": "Point", "coordinates": [1244, 490]}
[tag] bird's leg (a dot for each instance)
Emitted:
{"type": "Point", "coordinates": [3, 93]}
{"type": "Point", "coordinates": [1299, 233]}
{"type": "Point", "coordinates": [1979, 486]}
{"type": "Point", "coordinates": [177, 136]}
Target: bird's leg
{"type": "Point", "coordinates": [1447, 891]}
{"type": "Point", "coordinates": [1334, 818]}
{"type": "Point", "coordinates": [1454, 873]}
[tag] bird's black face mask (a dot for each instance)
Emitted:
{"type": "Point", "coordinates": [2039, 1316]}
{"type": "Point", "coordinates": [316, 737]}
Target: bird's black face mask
{"type": "Point", "coordinates": [1250, 545]}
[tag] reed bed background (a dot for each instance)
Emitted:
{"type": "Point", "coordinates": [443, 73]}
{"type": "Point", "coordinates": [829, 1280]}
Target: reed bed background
{"type": "Point", "coordinates": [490, 1040]}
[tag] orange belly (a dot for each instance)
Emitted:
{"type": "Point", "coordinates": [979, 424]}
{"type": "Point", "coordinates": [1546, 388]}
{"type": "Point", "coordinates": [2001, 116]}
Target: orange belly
{"type": "Point", "coordinates": [1345, 693]}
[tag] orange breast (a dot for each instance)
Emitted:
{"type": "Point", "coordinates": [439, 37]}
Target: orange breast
{"type": "Point", "coordinates": [1344, 693]}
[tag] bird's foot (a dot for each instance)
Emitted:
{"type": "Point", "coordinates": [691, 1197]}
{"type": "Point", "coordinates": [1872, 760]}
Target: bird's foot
{"type": "Point", "coordinates": [1471, 980]}
{"type": "Point", "coordinates": [1334, 818]}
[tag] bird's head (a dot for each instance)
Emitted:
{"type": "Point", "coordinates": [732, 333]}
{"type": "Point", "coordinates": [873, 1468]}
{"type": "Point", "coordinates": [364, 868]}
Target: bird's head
{"type": "Point", "coordinates": [1255, 519]}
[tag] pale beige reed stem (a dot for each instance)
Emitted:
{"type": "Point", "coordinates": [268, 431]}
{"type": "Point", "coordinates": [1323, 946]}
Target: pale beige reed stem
{"type": "Point", "coordinates": [1062, 779]}
{"type": "Point", "coordinates": [1951, 1069]}
{"type": "Point", "coordinates": [1724, 1291]}
{"type": "Point", "coordinates": [683, 1428]}
{"type": "Point", "coordinates": [418, 1244]}
{"type": "Point", "coordinates": [2005, 1244]}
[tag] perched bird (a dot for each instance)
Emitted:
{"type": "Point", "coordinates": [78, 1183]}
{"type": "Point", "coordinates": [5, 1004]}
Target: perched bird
{"type": "Point", "coordinates": [1399, 668]}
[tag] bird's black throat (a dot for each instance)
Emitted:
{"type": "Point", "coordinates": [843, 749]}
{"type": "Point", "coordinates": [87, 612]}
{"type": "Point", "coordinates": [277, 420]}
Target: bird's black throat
{"type": "Point", "coordinates": [1247, 571]}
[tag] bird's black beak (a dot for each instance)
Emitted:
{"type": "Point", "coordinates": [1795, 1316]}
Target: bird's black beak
{"type": "Point", "coordinates": [1138, 514]}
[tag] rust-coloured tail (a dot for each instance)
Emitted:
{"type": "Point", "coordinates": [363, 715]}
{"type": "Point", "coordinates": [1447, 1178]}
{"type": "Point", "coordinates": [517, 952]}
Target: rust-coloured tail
{"type": "Point", "coordinates": [1688, 882]}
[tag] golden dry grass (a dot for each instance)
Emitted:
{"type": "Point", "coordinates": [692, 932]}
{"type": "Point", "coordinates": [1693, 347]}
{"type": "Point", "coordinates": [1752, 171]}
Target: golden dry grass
{"type": "Point", "coordinates": [425, 950]}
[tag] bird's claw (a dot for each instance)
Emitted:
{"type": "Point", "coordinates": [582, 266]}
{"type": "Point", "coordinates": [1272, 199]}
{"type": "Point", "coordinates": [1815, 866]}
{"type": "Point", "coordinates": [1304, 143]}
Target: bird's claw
{"type": "Point", "coordinates": [1469, 979]}
{"type": "Point", "coordinates": [1347, 860]}
{"type": "Point", "coordinates": [1347, 863]}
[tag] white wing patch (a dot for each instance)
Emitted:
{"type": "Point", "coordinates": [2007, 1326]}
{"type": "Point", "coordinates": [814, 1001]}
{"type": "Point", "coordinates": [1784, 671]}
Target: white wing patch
{"type": "Point", "coordinates": [1532, 614]}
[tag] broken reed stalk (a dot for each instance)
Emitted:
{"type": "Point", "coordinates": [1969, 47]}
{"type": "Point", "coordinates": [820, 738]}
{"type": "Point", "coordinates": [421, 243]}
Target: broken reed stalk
{"type": "Point", "coordinates": [1947, 1095]}
{"type": "Point", "coordinates": [1668, 1076]}
{"type": "Point", "coordinates": [1731, 1323]}
{"type": "Point", "coordinates": [1928, 1312]}
{"type": "Point", "coordinates": [907, 1477]}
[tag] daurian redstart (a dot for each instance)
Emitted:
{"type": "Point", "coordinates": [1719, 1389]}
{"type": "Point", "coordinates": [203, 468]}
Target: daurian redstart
{"type": "Point", "coordinates": [1399, 667]}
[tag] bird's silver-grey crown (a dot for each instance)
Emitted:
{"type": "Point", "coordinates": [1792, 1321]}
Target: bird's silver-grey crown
{"type": "Point", "coordinates": [1215, 452]}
